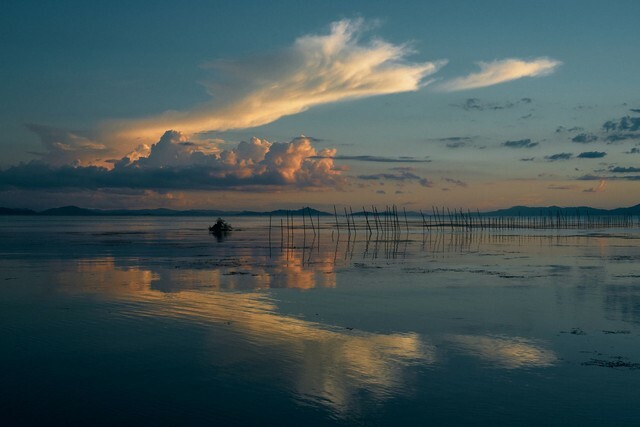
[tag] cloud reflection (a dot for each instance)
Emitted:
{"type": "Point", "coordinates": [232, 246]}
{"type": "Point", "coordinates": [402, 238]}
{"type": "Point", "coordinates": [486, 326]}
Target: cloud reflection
{"type": "Point", "coordinates": [505, 352]}
{"type": "Point", "coordinates": [328, 364]}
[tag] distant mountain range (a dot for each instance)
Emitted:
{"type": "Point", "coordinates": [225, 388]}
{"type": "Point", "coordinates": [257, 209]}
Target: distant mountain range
{"type": "Point", "coordinates": [77, 211]}
{"type": "Point", "coordinates": [513, 211]}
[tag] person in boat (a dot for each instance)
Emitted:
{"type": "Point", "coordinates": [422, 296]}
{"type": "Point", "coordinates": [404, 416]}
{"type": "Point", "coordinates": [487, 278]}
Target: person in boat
{"type": "Point", "coordinates": [220, 227]}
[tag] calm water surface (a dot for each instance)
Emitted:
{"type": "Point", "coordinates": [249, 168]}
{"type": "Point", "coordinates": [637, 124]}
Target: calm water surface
{"type": "Point", "coordinates": [111, 321]}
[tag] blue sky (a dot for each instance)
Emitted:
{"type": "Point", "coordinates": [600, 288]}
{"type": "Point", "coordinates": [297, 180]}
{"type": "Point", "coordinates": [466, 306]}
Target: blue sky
{"type": "Point", "coordinates": [101, 81]}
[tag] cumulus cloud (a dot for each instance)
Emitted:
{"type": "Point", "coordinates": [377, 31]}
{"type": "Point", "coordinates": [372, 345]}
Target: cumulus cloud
{"type": "Point", "coordinates": [317, 69]}
{"type": "Point", "coordinates": [500, 71]}
{"type": "Point", "coordinates": [592, 155]}
{"type": "Point", "coordinates": [175, 163]}
{"type": "Point", "coordinates": [521, 143]}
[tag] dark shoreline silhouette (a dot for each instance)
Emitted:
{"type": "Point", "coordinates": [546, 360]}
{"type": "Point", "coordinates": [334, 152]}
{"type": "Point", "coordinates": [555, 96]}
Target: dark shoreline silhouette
{"type": "Point", "coordinates": [510, 212]}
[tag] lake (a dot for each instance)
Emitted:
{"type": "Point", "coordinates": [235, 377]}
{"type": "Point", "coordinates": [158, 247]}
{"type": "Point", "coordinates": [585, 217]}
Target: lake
{"type": "Point", "coordinates": [154, 321]}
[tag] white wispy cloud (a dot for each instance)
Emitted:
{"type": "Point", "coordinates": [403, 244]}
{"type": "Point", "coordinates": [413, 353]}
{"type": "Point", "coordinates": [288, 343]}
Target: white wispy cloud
{"type": "Point", "coordinates": [501, 71]}
{"type": "Point", "coordinates": [317, 69]}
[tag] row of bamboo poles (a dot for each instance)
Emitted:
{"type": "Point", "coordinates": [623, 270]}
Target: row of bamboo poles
{"type": "Point", "coordinates": [391, 224]}
{"type": "Point", "coordinates": [388, 228]}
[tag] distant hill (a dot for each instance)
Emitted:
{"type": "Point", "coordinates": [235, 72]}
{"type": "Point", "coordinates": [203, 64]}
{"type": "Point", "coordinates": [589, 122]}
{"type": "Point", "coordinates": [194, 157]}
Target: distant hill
{"type": "Point", "coordinates": [9, 211]}
{"type": "Point", "coordinates": [513, 211]}
{"type": "Point", "coordinates": [569, 211]}
{"type": "Point", "coordinates": [78, 211]}
{"type": "Point", "coordinates": [69, 211]}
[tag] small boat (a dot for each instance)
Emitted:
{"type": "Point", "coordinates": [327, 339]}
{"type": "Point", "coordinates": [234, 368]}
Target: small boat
{"type": "Point", "coordinates": [220, 227]}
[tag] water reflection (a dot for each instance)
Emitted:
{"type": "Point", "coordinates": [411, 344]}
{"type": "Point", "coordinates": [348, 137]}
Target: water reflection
{"type": "Point", "coordinates": [505, 352]}
{"type": "Point", "coordinates": [327, 364]}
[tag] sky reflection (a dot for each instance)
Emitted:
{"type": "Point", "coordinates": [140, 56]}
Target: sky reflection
{"type": "Point", "coordinates": [505, 352]}
{"type": "Point", "coordinates": [329, 364]}
{"type": "Point", "coordinates": [347, 326]}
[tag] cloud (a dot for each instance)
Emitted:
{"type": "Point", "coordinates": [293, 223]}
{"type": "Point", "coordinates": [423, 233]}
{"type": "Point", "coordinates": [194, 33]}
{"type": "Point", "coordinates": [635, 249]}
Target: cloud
{"type": "Point", "coordinates": [623, 129]}
{"type": "Point", "coordinates": [316, 70]}
{"type": "Point", "coordinates": [584, 138]}
{"type": "Point", "coordinates": [67, 147]}
{"type": "Point", "coordinates": [522, 143]}
{"type": "Point", "coordinates": [455, 139]}
{"type": "Point", "coordinates": [589, 177]}
{"type": "Point", "coordinates": [475, 104]}
{"type": "Point", "coordinates": [402, 176]}
{"type": "Point", "coordinates": [175, 163]}
{"type": "Point", "coordinates": [627, 124]}
{"type": "Point", "coordinates": [613, 177]}
{"type": "Point", "coordinates": [620, 169]}
{"type": "Point", "coordinates": [501, 71]}
{"type": "Point", "coordinates": [635, 110]}
{"type": "Point", "coordinates": [562, 129]}
{"type": "Point", "coordinates": [617, 137]}
{"type": "Point", "coordinates": [562, 187]}
{"type": "Point", "coordinates": [375, 159]}
{"type": "Point", "coordinates": [559, 156]}
{"type": "Point", "coordinates": [634, 150]}
{"type": "Point", "coordinates": [455, 182]}
{"type": "Point", "coordinates": [592, 155]}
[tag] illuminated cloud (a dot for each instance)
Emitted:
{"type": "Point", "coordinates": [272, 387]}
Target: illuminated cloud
{"type": "Point", "coordinates": [317, 69]}
{"type": "Point", "coordinates": [501, 71]}
{"type": "Point", "coordinates": [175, 163]}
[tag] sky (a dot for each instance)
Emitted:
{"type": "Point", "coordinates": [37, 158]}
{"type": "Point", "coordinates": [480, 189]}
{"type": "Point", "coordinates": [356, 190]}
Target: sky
{"type": "Point", "coordinates": [263, 105]}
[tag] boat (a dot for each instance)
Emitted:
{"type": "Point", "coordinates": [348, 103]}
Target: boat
{"type": "Point", "coordinates": [220, 227]}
